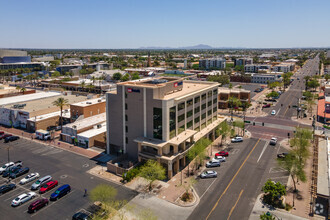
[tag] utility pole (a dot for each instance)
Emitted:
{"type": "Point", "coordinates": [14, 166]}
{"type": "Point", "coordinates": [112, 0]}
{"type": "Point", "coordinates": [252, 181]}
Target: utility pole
{"type": "Point", "coordinates": [8, 153]}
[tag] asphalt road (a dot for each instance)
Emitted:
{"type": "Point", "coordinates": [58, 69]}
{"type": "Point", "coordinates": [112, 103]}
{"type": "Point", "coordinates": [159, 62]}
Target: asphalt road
{"type": "Point", "coordinates": [66, 167]}
{"type": "Point", "coordinates": [232, 194]}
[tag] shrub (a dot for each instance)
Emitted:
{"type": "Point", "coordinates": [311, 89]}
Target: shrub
{"type": "Point", "coordinates": [186, 196]}
{"type": "Point", "coordinates": [131, 174]}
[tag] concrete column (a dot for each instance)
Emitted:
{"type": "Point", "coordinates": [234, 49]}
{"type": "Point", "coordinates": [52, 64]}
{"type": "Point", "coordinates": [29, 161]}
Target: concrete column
{"type": "Point", "coordinates": [160, 151]}
{"type": "Point", "coordinates": [139, 147]}
{"type": "Point", "coordinates": [184, 145]}
{"type": "Point", "coordinates": [176, 149]}
{"type": "Point", "coordinates": [184, 161]}
{"type": "Point", "coordinates": [169, 169]}
{"type": "Point", "coordinates": [176, 166]}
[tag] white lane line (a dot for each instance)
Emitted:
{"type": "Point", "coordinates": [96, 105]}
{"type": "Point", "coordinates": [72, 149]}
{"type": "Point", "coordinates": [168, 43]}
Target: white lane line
{"type": "Point", "coordinates": [263, 150]}
{"type": "Point", "coordinates": [208, 188]}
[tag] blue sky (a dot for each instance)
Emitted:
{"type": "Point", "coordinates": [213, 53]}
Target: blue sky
{"type": "Point", "coordinates": [173, 23]}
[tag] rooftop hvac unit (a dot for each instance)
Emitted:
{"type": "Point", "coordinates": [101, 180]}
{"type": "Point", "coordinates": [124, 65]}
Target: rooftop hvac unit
{"type": "Point", "coordinates": [88, 103]}
{"type": "Point", "coordinates": [99, 100]}
{"type": "Point", "coordinates": [74, 127]}
{"type": "Point", "coordinates": [99, 126]}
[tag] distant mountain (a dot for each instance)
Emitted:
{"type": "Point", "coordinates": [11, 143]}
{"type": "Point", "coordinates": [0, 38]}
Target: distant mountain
{"type": "Point", "coordinates": [196, 47]}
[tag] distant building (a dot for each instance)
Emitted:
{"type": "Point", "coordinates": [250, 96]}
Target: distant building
{"type": "Point", "coordinates": [264, 78]}
{"type": "Point", "coordinates": [210, 63]}
{"type": "Point", "coordinates": [14, 56]}
{"type": "Point", "coordinates": [255, 68]}
{"type": "Point", "coordinates": [284, 67]}
{"type": "Point", "coordinates": [31, 65]}
{"type": "Point", "coordinates": [243, 61]}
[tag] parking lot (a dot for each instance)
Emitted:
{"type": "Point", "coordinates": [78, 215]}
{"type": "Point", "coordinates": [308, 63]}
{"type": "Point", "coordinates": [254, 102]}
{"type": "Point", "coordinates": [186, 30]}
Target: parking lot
{"type": "Point", "coordinates": [247, 86]}
{"type": "Point", "coordinates": [63, 166]}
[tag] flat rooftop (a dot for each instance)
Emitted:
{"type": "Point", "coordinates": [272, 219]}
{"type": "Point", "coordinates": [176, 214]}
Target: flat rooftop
{"type": "Point", "coordinates": [94, 131]}
{"type": "Point", "coordinates": [26, 98]}
{"type": "Point", "coordinates": [323, 168]}
{"type": "Point", "coordinates": [234, 90]}
{"type": "Point", "coordinates": [9, 89]}
{"type": "Point", "coordinates": [87, 122]}
{"type": "Point", "coordinates": [89, 102]}
{"type": "Point", "coordinates": [40, 107]}
{"type": "Point", "coordinates": [65, 114]}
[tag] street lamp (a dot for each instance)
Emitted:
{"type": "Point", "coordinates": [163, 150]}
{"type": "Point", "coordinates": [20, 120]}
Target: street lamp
{"type": "Point", "coordinates": [8, 153]}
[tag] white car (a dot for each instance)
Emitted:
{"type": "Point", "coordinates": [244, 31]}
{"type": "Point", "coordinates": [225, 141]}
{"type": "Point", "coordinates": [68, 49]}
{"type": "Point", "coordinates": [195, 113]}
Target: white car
{"type": "Point", "coordinates": [273, 141]}
{"type": "Point", "coordinates": [19, 200]}
{"type": "Point", "coordinates": [237, 139]}
{"type": "Point", "coordinates": [220, 158]}
{"type": "Point", "coordinates": [209, 174]}
{"type": "Point", "coordinates": [273, 112]}
{"type": "Point", "coordinates": [29, 178]}
{"type": "Point", "coordinates": [6, 166]}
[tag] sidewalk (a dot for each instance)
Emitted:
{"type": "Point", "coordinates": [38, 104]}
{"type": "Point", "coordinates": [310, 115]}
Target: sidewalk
{"type": "Point", "coordinates": [56, 143]}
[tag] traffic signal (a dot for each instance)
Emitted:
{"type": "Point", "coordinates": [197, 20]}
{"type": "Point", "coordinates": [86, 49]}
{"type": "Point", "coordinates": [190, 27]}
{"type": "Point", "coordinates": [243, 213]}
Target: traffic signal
{"type": "Point", "coordinates": [263, 124]}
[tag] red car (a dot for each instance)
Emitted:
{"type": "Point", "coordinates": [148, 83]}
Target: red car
{"type": "Point", "coordinates": [222, 153]}
{"type": "Point", "coordinates": [266, 106]}
{"type": "Point", "coordinates": [38, 204]}
{"type": "Point", "coordinates": [4, 136]}
{"type": "Point", "coordinates": [48, 186]}
{"type": "Point", "coordinates": [2, 132]}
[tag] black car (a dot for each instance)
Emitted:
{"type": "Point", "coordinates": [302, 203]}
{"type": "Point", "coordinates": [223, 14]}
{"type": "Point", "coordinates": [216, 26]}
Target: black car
{"type": "Point", "coordinates": [6, 188]}
{"type": "Point", "coordinates": [81, 216]}
{"type": "Point", "coordinates": [11, 170]}
{"type": "Point", "coordinates": [20, 172]}
{"type": "Point", "coordinates": [11, 138]}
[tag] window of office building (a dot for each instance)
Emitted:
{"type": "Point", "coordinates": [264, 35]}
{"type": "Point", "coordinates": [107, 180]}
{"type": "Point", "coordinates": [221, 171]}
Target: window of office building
{"type": "Point", "coordinates": [203, 106]}
{"type": "Point", "coordinates": [172, 122]}
{"type": "Point", "coordinates": [197, 128]}
{"type": "Point", "coordinates": [197, 99]}
{"type": "Point", "coordinates": [125, 106]}
{"type": "Point", "coordinates": [189, 103]}
{"type": "Point", "coordinates": [126, 118]}
{"type": "Point", "coordinates": [209, 94]}
{"type": "Point", "coordinates": [158, 123]}
{"type": "Point", "coordinates": [189, 114]}
{"type": "Point", "coordinates": [209, 112]}
{"type": "Point", "coordinates": [197, 109]}
{"type": "Point", "coordinates": [215, 100]}
{"type": "Point", "coordinates": [181, 106]}
{"type": "Point", "coordinates": [204, 96]}
{"type": "Point", "coordinates": [181, 117]}
{"type": "Point", "coordinates": [215, 92]}
{"type": "Point", "coordinates": [126, 129]}
{"type": "Point", "coordinates": [189, 124]}
{"type": "Point", "coordinates": [196, 120]}
{"type": "Point", "coordinates": [203, 116]}
{"type": "Point", "coordinates": [209, 103]}
{"type": "Point", "coordinates": [126, 140]}
{"type": "Point", "coordinates": [215, 109]}
{"type": "Point", "coordinates": [125, 95]}
{"type": "Point", "coordinates": [203, 126]}
{"type": "Point", "coordinates": [181, 129]}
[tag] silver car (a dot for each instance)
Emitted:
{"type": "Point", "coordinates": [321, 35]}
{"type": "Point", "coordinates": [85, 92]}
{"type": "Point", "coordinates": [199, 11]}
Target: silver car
{"type": "Point", "coordinates": [23, 198]}
{"type": "Point", "coordinates": [29, 178]}
{"type": "Point", "coordinates": [220, 158]}
{"type": "Point", "coordinates": [209, 174]}
{"type": "Point", "coordinates": [40, 182]}
{"type": "Point", "coordinates": [213, 163]}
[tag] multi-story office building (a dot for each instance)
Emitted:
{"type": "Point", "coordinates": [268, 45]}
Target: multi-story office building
{"type": "Point", "coordinates": [255, 68]}
{"type": "Point", "coordinates": [161, 119]}
{"type": "Point", "coordinates": [243, 61]}
{"type": "Point", "coordinates": [284, 67]}
{"type": "Point", "coordinates": [210, 63]}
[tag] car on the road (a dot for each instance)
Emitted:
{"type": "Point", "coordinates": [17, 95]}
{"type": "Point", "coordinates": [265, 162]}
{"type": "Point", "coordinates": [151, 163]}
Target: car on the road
{"type": "Point", "coordinates": [213, 163]}
{"type": "Point", "coordinates": [61, 191]}
{"type": "Point", "coordinates": [282, 155]}
{"type": "Point", "coordinates": [273, 141]}
{"type": "Point", "coordinates": [29, 178]}
{"type": "Point", "coordinates": [81, 216]}
{"type": "Point", "coordinates": [40, 182]}
{"type": "Point", "coordinates": [273, 112]}
{"type": "Point", "coordinates": [220, 158]}
{"type": "Point", "coordinates": [7, 188]}
{"type": "Point", "coordinates": [38, 204]}
{"type": "Point", "coordinates": [237, 139]}
{"type": "Point", "coordinates": [209, 174]}
{"type": "Point", "coordinates": [20, 172]}
{"type": "Point", "coordinates": [19, 200]}
{"type": "Point", "coordinates": [11, 170]}
{"type": "Point", "coordinates": [48, 186]}
{"type": "Point", "coordinates": [4, 136]}
{"type": "Point", "coordinates": [266, 106]}
{"type": "Point", "coordinates": [11, 138]}
{"type": "Point", "coordinates": [6, 166]}
{"type": "Point", "coordinates": [222, 153]}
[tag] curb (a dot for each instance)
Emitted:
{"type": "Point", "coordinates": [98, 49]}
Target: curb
{"type": "Point", "coordinates": [195, 202]}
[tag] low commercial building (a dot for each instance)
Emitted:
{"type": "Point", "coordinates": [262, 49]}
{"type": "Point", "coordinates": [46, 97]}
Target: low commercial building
{"type": "Point", "coordinates": [265, 78]}
{"type": "Point", "coordinates": [89, 85]}
{"type": "Point", "coordinates": [87, 108]}
{"type": "Point", "coordinates": [161, 119]}
{"type": "Point", "coordinates": [224, 95]}
{"type": "Point", "coordinates": [93, 137]}
{"type": "Point", "coordinates": [47, 120]}
{"type": "Point", "coordinates": [70, 131]}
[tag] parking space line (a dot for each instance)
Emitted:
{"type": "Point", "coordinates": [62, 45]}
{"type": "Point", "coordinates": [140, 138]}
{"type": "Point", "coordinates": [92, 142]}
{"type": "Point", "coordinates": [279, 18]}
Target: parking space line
{"type": "Point", "coordinates": [10, 192]}
{"type": "Point", "coordinates": [263, 150]}
{"type": "Point", "coordinates": [13, 197]}
{"type": "Point", "coordinates": [208, 188]}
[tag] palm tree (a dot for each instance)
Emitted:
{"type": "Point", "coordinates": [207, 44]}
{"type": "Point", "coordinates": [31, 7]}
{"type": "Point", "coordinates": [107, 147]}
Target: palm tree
{"type": "Point", "coordinates": [61, 102]}
{"type": "Point", "coordinates": [83, 84]}
{"type": "Point", "coordinates": [18, 88]}
{"type": "Point", "coordinates": [233, 103]}
{"type": "Point", "coordinates": [23, 90]}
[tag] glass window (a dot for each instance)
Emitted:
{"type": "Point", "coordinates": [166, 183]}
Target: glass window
{"type": "Point", "coordinates": [215, 92]}
{"type": "Point", "coordinates": [125, 95]}
{"type": "Point", "coordinates": [196, 119]}
{"type": "Point", "coordinates": [181, 106]}
{"type": "Point", "coordinates": [181, 118]}
{"type": "Point", "coordinates": [197, 109]}
{"type": "Point", "coordinates": [204, 96]}
{"type": "Point", "coordinates": [203, 106]}
{"type": "Point", "coordinates": [203, 125]}
{"type": "Point", "coordinates": [172, 122]}
{"type": "Point", "coordinates": [189, 102]}
{"type": "Point", "coordinates": [189, 114]}
{"type": "Point", "coordinates": [203, 116]}
{"type": "Point", "coordinates": [209, 94]}
{"type": "Point", "coordinates": [189, 124]}
{"type": "Point", "coordinates": [215, 109]}
{"type": "Point", "coordinates": [125, 106]}
{"type": "Point", "coordinates": [181, 129]}
{"type": "Point", "coordinates": [209, 112]}
{"type": "Point", "coordinates": [215, 100]}
{"type": "Point", "coordinates": [209, 103]}
{"type": "Point", "coordinates": [158, 123]}
{"type": "Point", "coordinates": [196, 129]}
{"type": "Point", "coordinates": [197, 99]}
{"type": "Point", "coordinates": [126, 118]}
{"type": "Point", "coordinates": [126, 129]}
{"type": "Point", "coordinates": [126, 140]}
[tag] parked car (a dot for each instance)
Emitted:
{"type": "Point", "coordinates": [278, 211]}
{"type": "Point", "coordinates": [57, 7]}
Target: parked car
{"type": "Point", "coordinates": [4, 136]}
{"type": "Point", "coordinates": [2, 133]}
{"type": "Point", "coordinates": [273, 112]}
{"type": "Point", "coordinates": [208, 174]}
{"type": "Point", "coordinates": [222, 153]}
{"type": "Point", "coordinates": [282, 155]}
{"type": "Point", "coordinates": [48, 186]}
{"type": "Point", "coordinates": [7, 188]}
{"type": "Point", "coordinates": [11, 138]}
{"type": "Point", "coordinates": [11, 170]}
{"type": "Point", "coordinates": [38, 204]}
{"type": "Point", "coordinates": [20, 172]}
{"type": "Point", "coordinates": [56, 128]}
{"type": "Point", "coordinates": [237, 139]}
{"type": "Point", "coordinates": [6, 166]}
{"type": "Point", "coordinates": [61, 191]}
{"type": "Point", "coordinates": [273, 141]}
{"type": "Point", "coordinates": [19, 200]}
{"type": "Point", "coordinates": [213, 163]}
{"type": "Point", "coordinates": [40, 182]}
{"type": "Point", "coordinates": [29, 178]}
{"type": "Point", "coordinates": [266, 106]}
{"type": "Point", "coordinates": [220, 158]}
{"type": "Point", "coordinates": [81, 216]}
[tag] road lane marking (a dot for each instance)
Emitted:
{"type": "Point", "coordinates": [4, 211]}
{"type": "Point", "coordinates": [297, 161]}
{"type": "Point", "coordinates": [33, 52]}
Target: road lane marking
{"type": "Point", "coordinates": [231, 181]}
{"type": "Point", "coordinates": [263, 150]}
{"type": "Point", "coordinates": [232, 209]}
{"type": "Point", "coordinates": [208, 188]}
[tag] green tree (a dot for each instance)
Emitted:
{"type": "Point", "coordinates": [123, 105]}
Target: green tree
{"type": "Point", "coordinates": [197, 151]}
{"type": "Point", "coordinates": [55, 74]}
{"type": "Point", "coordinates": [23, 90]}
{"type": "Point", "coordinates": [61, 103]}
{"type": "Point", "coordinates": [152, 171]}
{"type": "Point", "coordinates": [313, 84]}
{"type": "Point", "coordinates": [239, 68]}
{"type": "Point", "coordinates": [82, 84]}
{"type": "Point", "coordinates": [239, 124]}
{"type": "Point", "coordinates": [267, 216]}
{"type": "Point", "coordinates": [233, 103]}
{"type": "Point", "coordinates": [125, 77]}
{"type": "Point", "coordinates": [273, 192]}
{"type": "Point", "coordinates": [135, 76]}
{"type": "Point", "coordinates": [272, 94]}
{"type": "Point", "coordinates": [224, 130]}
{"type": "Point", "coordinates": [308, 95]}
{"type": "Point", "coordinates": [222, 79]}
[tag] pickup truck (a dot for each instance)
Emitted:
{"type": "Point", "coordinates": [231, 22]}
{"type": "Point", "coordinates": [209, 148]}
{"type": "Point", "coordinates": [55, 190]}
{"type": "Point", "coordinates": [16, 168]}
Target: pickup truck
{"type": "Point", "coordinates": [6, 166]}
